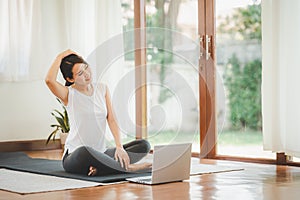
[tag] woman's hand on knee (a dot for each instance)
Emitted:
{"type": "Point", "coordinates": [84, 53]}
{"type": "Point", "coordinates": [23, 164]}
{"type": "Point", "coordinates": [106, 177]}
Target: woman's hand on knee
{"type": "Point", "coordinates": [122, 157]}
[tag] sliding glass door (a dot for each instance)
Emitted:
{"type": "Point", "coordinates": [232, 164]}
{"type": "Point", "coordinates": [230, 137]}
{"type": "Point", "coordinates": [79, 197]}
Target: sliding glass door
{"type": "Point", "coordinates": [238, 50]}
{"type": "Point", "coordinates": [172, 72]}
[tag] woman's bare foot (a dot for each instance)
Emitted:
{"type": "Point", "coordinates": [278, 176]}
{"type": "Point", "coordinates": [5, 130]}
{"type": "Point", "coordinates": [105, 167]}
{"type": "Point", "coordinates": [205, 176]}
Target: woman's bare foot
{"type": "Point", "coordinates": [139, 166]}
{"type": "Point", "coordinates": [92, 171]}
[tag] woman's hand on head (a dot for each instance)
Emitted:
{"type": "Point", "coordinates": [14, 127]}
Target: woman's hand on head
{"type": "Point", "coordinates": [122, 157]}
{"type": "Point", "coordinates": [66, 53]}
{"type": "Point", "coordinates": [58, 89]}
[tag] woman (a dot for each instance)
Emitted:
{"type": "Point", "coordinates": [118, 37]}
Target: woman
{"type": "Point", "coordinates": [89, 108]}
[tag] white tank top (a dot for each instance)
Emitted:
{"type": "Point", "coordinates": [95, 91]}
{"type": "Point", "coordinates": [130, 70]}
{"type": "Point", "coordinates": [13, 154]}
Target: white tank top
{"type": "Point", "coordinates": [87, 116]}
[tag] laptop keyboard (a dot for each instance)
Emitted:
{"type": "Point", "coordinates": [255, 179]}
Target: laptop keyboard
{"type": "Point", "coordinates": [145, 179]}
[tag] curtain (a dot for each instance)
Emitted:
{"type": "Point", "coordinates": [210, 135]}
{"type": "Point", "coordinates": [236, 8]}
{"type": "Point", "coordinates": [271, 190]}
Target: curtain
{"type": "Point", "coordinates": [16, 29]}
{"type": "Point", "coordinates": [280, 76]}
{"type": "Point", "coordinates": [33, 32]}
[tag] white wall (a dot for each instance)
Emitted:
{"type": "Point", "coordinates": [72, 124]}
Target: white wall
{"type": "Point", "coordinates": [25, 107]}
{"type": "Point", "coordinates": [25, 110]}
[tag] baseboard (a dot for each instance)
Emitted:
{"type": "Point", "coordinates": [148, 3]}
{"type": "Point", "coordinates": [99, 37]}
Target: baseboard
{"type": "Point", "coordinates": [30, 145]}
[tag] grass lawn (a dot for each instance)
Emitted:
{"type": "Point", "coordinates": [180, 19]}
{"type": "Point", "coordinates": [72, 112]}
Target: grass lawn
{"type": "Point", "coordinates": [240, 138]}
{"type": "Point", "coordinates": [164, 137]}
{"type": "Point", "coordinates": [243, 143]}
{"type": "Point", "coordinates": [167, 137]}
{"type": "Point", "coordinates": [236, 138]}
{"type": "Point", "coordinates": [236, 143]}
{"type": "Point", "coordinates": [225, 138]}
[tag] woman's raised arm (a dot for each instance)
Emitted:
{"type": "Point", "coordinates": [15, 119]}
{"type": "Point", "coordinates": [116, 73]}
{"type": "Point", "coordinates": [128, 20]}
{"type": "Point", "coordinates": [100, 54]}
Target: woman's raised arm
{"type": "Point", "coordinates": [59, 90]}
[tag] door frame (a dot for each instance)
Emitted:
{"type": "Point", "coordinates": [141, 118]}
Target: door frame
{"type": "Point", "coordinates": [207, 83]}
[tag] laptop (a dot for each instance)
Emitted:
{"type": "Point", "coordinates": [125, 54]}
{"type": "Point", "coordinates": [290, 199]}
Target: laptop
{"type": "Point", "coordinates": [171, 163]}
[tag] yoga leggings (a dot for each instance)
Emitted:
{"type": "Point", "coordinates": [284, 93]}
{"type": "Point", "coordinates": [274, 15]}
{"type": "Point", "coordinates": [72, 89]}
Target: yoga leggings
{"type": "Point", "coordinates": [83, 157]}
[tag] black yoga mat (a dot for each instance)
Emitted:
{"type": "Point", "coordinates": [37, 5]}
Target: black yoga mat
{"type": "Point", "coordinates": [21, 162]}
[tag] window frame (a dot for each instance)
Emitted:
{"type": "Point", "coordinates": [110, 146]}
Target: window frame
{"type": "Point", "coordinates": [207, 83]}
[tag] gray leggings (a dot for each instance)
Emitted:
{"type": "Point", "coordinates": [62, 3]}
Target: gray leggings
{"type": "Point", "coordinates": [83, 157]}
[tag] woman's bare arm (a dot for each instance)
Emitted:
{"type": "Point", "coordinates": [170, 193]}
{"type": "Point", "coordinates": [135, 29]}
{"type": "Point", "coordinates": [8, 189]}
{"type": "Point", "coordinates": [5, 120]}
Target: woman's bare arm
{"type": "Point", "coordinates": [57, 88]}
{"type": "Point", "coordinates": [120, 155]}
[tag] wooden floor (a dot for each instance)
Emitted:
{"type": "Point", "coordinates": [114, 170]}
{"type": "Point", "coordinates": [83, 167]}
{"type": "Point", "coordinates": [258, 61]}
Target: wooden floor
{"type": "Point", "coordinates": [257, 181]}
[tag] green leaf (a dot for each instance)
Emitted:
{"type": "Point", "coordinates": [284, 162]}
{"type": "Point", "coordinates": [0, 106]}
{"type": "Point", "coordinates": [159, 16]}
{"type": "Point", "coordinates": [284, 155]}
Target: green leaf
{"type": "Point", "coordinates": [52, 134]}
{"type": "Point", "coordinates": [62, 119]}
{"type": "Point", "coordinates": [66, 119]}
{"type": "Point", "coordinates": [54, 125]}
{"type": "Point", "coordinates": [58, 112]}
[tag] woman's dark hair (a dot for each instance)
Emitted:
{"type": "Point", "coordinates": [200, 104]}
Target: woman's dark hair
{"type": "Point", "coordinates": [67, 64]}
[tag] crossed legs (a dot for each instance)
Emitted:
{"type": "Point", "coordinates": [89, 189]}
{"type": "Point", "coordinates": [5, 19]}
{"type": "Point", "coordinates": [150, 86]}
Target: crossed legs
{"type": "Point", "coordinates": [83, 158]}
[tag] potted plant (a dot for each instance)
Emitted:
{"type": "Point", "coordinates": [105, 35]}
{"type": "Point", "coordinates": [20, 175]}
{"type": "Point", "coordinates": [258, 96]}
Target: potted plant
{"type": "Point", "coordinates": [63, 126]}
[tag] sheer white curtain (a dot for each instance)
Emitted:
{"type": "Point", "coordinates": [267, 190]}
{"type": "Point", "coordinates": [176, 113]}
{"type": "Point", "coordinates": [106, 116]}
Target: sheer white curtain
{"type": "Point", "coordinates": [16, 30]}
{"type": "Point", "coordinates": [281, 71]}
{"type": "Point", "coordinates": [33, 32]}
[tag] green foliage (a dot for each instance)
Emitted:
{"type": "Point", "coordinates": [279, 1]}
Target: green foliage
{"type": "Point", "coordinates": [243, 24]}
{"type": "Point", "coordinates": [157, 41]}
{"type": "Point", "coordinates": [164, 93]}
{"type": "Point", "coordinates": [128, 37]}
{"type": "Point", "coordinates": [240, 138]}
{"type": "Point", "coordinates": [243, 84]}
{"type": "Point", "coordinates": [62, 120]}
